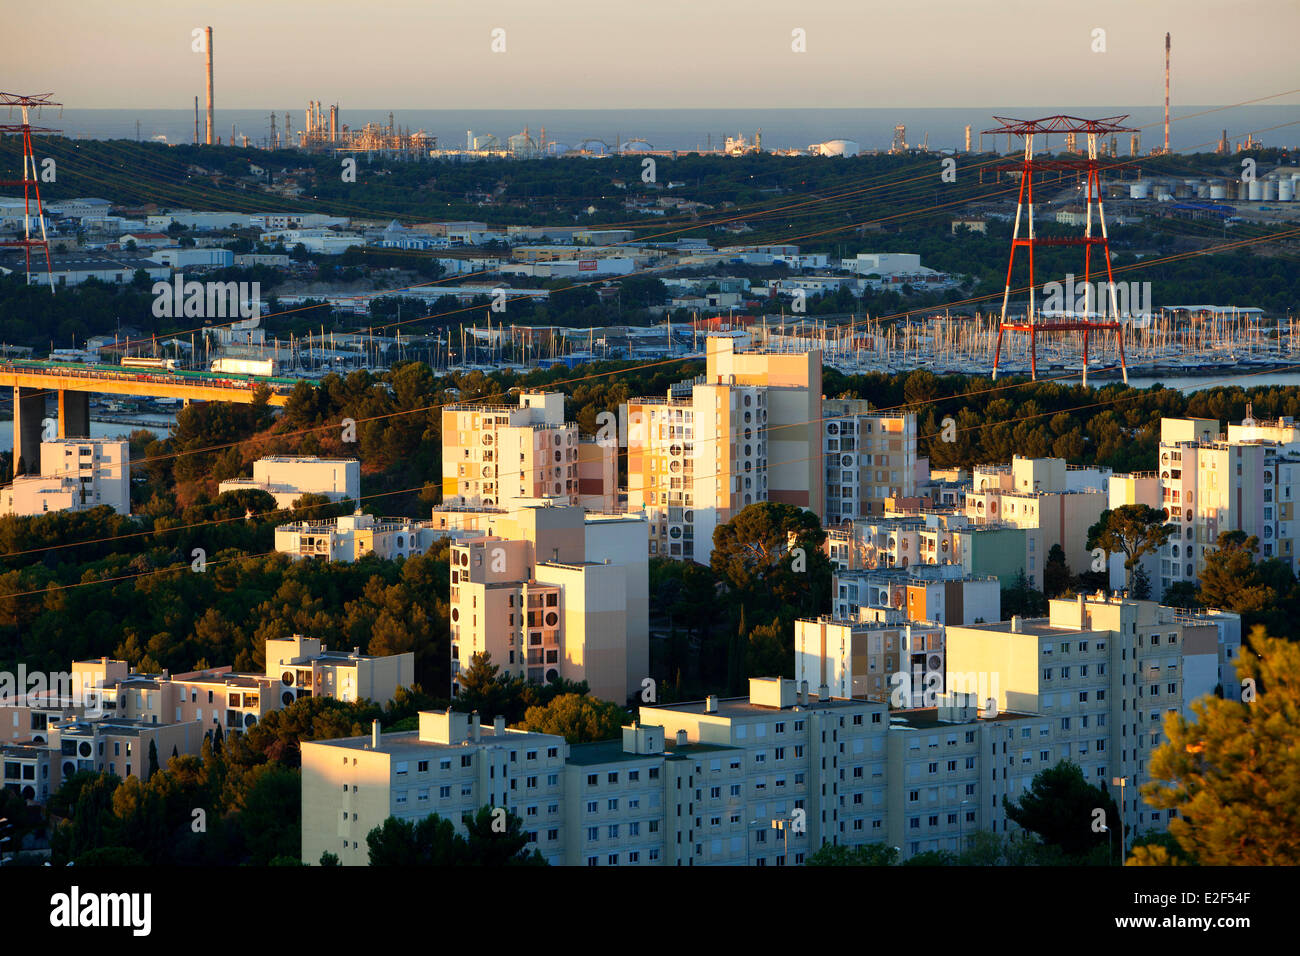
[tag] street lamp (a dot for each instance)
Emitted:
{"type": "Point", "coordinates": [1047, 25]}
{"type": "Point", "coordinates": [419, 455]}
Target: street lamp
{"type": "Point", "coordinates": [784, 826]}
{"type": "Point", "coordinates": [961, 824]}
{"type": "Point", "coordinates": [1110, 841]}
{"type": "Point", "coordinates": [1121, 782]}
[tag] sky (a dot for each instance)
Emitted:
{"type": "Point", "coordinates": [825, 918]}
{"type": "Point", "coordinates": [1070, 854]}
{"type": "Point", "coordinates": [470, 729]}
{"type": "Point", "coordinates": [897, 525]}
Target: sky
{"type": "Point", "coordinates": [653, 54]}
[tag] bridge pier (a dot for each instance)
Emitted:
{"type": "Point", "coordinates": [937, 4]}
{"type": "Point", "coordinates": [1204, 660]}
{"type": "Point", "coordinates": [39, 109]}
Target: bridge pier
{"type": "Point", "coordinates": [74, 414]}
{"type": "Point", "coordinates": [29, 413]}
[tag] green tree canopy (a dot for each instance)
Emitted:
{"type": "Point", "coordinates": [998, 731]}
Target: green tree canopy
{"type": "Point", "coordinates": [1133, 530]}
{"type": "Point", "coordinates": [1059, 806]}
{"type": "Point", "coordinates": [577, 718]}
{"type": "Point", "coordinates": [1233, 773]}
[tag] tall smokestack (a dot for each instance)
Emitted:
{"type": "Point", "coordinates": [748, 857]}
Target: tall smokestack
{"type": "Point", "coordinates": [1166, 92]}
{"type": "Point", "coordinates": [196, 121]}
{"type": "Point", "coordinates": [207, 35]}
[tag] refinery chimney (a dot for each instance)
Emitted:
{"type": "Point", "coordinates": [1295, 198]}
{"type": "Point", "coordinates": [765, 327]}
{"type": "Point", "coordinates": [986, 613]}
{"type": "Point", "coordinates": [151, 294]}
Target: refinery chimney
{"type": "Point", "coordinates": [207, 38]}
{"type": "Point", "coordinates": [1166, 92]}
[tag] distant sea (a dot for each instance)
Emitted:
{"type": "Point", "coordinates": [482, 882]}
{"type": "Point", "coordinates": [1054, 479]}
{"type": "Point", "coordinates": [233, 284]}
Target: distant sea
{"type": "Point", "coordinates": [689, 129]}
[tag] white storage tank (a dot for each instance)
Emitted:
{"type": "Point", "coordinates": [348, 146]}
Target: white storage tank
{"type": "Point", "coordinates": [1140, 190]}
{"type": "Point", "coordinates": [1286, 190]}
{"type": "Point", "coordinates": [1218, 191]}
{"type": "Point", "coordinates": [1270, 190]}
{"type": "Point", "coordinates": [1255, 191]}
{"type": "Point", "coordinates": [1243, 190]}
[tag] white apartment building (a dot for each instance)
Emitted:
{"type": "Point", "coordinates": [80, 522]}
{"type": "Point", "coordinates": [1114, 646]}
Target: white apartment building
{"type": "Point", "coordinates": [352, 537]}
{"type": "Point", "coordinates": [77, 474]}
{"type": "Point", "coordinates": [287, 478]}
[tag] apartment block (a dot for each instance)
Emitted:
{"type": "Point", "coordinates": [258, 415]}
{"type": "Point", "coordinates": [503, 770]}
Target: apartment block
{"type": "Point", "coordinates": [496, 454]}
{"type": "Point", "coordinates": [1047, 517]}
{"type": "Point", "coordinates": [101, 468]}
{"type": "Point", "coordinates": [940, 594]}
{"type": "Point", "coordinates": [76, 474]}
{"type": "Point", "coordinates": [862, 659]}
{"type": "Point", "coordinates": [552, 592]}
{"type": "Point", "coordinates": [1102, 671]}
{"type": "Point", "coordinates": [352, 537]}
{"type": "Point", "coordinates": [747, 431]}
{"type": "Point", "coordinates": [288, 478]}
{"type": "Point", "coordinates": [1210, 485]}
{"type": "Point", "coordinates": [870, 457]}
{"type": "Point", "coordinates": [104, 710]}
{"type": "Point", "coordinates": [450, 765]}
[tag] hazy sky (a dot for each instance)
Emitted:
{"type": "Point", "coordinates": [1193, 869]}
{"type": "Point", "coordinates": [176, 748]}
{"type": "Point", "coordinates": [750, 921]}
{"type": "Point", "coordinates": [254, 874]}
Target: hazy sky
{"type": "Point", "coordinates": [609, 54]}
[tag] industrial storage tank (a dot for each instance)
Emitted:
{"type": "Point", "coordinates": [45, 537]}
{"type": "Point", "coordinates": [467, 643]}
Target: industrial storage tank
{"type": "Point", "coordinates": [1202, 190]}
{"type": "Point", "coordinates": [1270, 190]}
{"type": "Point", "coordinates": [1286, 190]}
{"type": "Point", "coordinates": [1243, 190]}
{"type": "Point", "coordinates": [836, 147]}
{"type": "Point", "coordinates": [1218, 191]}
{"type": "Point", "coordinates": [1255, 191]}
{"type": "Point", "coordinates": [1140, 190]}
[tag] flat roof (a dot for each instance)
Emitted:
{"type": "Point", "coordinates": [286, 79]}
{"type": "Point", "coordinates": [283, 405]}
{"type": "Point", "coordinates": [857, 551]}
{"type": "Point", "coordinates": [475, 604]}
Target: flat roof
{"type": "Point", "coordinates": [735, 707]}
{"type": "Point", "coordinates": [408, 742]}
{"type": "Point", "coordinates": [927, 718]}
{"type": "Point", "coordinates": [604, 751]}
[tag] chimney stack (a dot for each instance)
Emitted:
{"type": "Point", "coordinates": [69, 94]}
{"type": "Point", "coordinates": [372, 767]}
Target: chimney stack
{"type": "Point", "coordinates": [823, 693]}
{"type": "Point", "coordinates": [498, 726]}
{"type": "Point", "coordinates": [711, 704]}
{"type": "Point", "coordinates": [681, 738]}
{"type": "Point", "coordinates": [803, 693]}
{"type": "Point", "coordinates": [207, 38]}
{"type": "Point", "coordinates": [475, 728]}
{"type": "Point", "coordinates": [1167, 92]}
{"type": "Point", "coordinates": [374, 735]}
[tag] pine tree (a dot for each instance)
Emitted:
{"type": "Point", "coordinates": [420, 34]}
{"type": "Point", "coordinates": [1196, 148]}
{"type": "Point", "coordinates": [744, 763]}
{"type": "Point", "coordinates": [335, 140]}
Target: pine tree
{"type": "Point", "coordinates": [153, 757]}
{"type": "Point", "coordinates": [1233, 773]}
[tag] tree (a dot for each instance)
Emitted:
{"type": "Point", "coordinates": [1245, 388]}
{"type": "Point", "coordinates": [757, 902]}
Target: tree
{"type": "Point", "coordinates": [432, 841]}
{"type": "Point", "coordinates": [1056, 573]}
{"type": "Point", "coordinates": [329, 859]}
{"type": "Point", "coordinates": [1140, 586]}
{"type": "Point", "coordinates": [496, 837]}
{"type": "Point", "coordinates": [1233, 773]}
{"type": "Point", "coordinates": [1023, 599]}
{"type": "Point", "coordinates": [1134, 530]}
{"type": "Point", "coordinates": [153, 757]}
{"type": "Point", "coordinates": [837, 854]}
{"type": "Point", "coordinates": [576, 718]}
{"type": "Point", "coordinates": [1230, 578]}
{"type": "Point", "coordinates": [1059, 806]}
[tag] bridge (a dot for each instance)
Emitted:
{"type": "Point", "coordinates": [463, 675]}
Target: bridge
{"type": "Point", "coordinates": [33, 381]}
